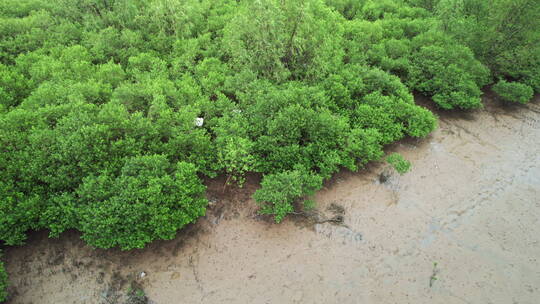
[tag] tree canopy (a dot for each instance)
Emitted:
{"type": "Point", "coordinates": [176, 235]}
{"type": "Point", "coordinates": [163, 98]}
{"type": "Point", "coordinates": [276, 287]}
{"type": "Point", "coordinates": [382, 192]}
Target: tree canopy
{"type": "Point", "coordinates": [112, 111]}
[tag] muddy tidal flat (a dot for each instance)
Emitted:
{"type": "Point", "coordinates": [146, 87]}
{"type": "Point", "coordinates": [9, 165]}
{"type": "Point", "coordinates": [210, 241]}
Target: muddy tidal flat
{"type": "Point", "coordinates": [461, 227]}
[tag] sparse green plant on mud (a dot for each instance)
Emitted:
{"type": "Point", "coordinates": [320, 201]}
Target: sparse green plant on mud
{"type": "Point", "coordinates": [400, 164]}
{"type": "Point", "coordinates": [136, 295]}
{"type": "Point", "coordinates": [309, 205]}
{"type": "Point", "coordinates": [433, 276]}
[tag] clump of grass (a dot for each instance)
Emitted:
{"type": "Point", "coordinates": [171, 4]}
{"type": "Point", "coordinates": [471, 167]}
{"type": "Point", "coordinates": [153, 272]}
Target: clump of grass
{"type": "Point", "coordinates": [433, 277]}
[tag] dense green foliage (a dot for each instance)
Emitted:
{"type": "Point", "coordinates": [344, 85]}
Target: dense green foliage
{"type": "Point", "coordinates": [3, 282]}
{"type": "Point", "coordinates": [513, 91]}
{"type": "Point", "coordinates": [279, 191]}
{"type": "Point", "coordinates": [503, 34]}
{"type": "Point", "coordinates": [113, 111]}
{"type": "Point", "coordinates": [99, 101]}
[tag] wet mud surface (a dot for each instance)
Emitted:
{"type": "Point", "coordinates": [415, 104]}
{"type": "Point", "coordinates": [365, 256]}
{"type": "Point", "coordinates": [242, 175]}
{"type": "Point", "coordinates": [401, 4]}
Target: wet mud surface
{"type": "Point", "coordinates": [461, 227]}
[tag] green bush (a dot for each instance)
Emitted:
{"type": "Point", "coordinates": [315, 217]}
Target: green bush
{"type": "Point", "coordinates": [148, 201]}
{"type": "Point", "coordinates": [405, 42]}
{"type": "Point", "coordinates": [502, 34]}
{"type": "Point", "coordinates": [449, 73]}
{"type": "Point", "coordinates": [3, 282]}
{"type": "Point", "coordinates": [279, 191]}
{"type": "Point", "coordinates": [400, 164]}
{"type": "Point", "coordinates": [98, 100]}
{"type": "Point", "coordinates": [513, 91]}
